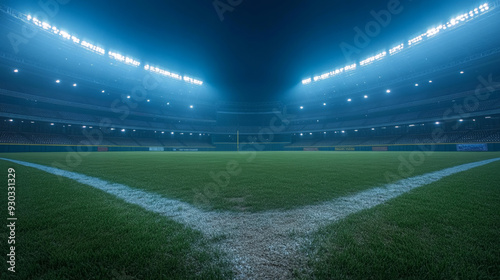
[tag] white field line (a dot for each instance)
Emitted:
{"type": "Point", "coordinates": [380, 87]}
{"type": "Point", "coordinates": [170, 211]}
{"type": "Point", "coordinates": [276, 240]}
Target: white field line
{"type": "Point", "coordinates": [262, 245]}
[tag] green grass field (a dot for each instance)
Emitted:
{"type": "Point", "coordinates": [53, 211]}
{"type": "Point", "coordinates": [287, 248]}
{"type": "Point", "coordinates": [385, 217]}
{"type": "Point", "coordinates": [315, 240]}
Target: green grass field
{"type": "Point", "coordinates": [66, 230]}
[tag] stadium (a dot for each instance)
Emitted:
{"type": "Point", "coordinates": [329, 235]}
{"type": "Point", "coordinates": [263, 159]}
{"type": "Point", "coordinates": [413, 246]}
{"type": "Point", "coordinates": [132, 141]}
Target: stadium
{"type": "Point", "coordinates": [250, 140]}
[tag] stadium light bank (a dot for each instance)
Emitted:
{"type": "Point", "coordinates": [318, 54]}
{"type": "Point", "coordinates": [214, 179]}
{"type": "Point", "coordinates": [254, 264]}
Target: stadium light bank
{"type": "Point", "coordinates": [452, 23]}
{"type": "Point", "coordinates": [111, 53]}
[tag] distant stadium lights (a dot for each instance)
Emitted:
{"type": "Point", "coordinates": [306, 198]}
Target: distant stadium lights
{"type": "Point", "coordinates": [349, 100]}
{"type": "Point", "coordinates": [432, 32]}
{"type": "Point", "coordinates": [302, 134]}
{"type": "Point", "coordinates": [437, 122]}
{"type": "Point", "coordinates": [84, 126]}
{"type": "Point", "coordinates": [373, 59]}
{"type": "Point", "coordinates": [74, 85]}
{"type": "Point", "coordinates": [103, 91]}
{"type": "Point", "coordinates": [128, 96]}
{"type": "Point", "coordinates": [124, 59]}
{"type": "Point", "coordinates": [430, 81]}
{"type": "Point", "coordinates": [388, 91]}
{"type": "Point", "coordinates": [461, 72]}
{"type": "Point", "coordinates": [301, 107]}
{"type": "Point", "coordinates": [99, 50]}
{"type": "Point", "coordinates": [335, 72]}
{"type": "Point", "coordinates": [148, 100]}
{"type": "Point", "coordinates": [58, 81]}
{"type": "Point", "coordinates": [366, 96]}
{"type": "Point", "coordinates": [172, 133]}
{"type": "Point", "coordinates": [160, 71]}
{"type": "Point", "coordinates": [123, 130]}
{"type": "Point", "coordinates": [65, 35]}
{"type": "Point", "coordinates": [396, 49]}
{"type": "Point", "coordinates": [191, 106]}
{"type": "Point", "coordinates": [324, 104]}
{"type": "Point", "coordinates": [192, 81]}
{"type": "Point", "coordinates": [11, 120]}
{"type": "Point", "coordinates": [416, 85]}
{"type": "Point", "coordinates": [16, 70]}
{"type": "Point", "coordinates": [461, 120]}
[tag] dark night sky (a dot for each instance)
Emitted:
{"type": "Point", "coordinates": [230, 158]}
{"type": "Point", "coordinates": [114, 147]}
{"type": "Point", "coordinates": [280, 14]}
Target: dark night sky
{"type": "Point", "coordinates": [262, 49]}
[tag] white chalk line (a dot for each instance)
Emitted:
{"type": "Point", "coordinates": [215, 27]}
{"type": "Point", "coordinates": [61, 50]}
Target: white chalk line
{"type": "Point", "coordinates": [260, 243]}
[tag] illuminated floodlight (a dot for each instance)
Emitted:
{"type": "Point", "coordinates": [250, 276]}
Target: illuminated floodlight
{"type": "Point", "coordinates": [356, 130]}
{"type": "Point", "coordinates": [51, 123]}
{"type": "Point", "coordinates": [123, 130]}
{"type": "Point", "coordinates": [162, 72]}
{"type": "Point", "coordinates": [58, 81]}
{"type": "Point", "coordinates": [128, 96]}
{"type": "Point", "coordinates": [306, 81]}
{"type": "Point", "coordinates": [11, 120]}
{"type": "Point", "coordinates": [324, 104]}
{"type": "Point", "coordinates": [124, 59]}
{"type": "Point", "coordinates": [103, 91]}
{"type": "Point", "coordinates": [396, 49]}
{"type": "Point", "coordinates": [430, 81]}
{"type": "Point", "coordinates": [388, 91]}
{"type": "Point", "coordinates": [349, 100]}
{"type": "Point", "coordinates": [191, 106]}
{"type": "Point", "coordinates": [310, 133]}
{"type": "Point", "coordinates": [461, 72]}
{"type": "Point", "coordinates": [373, 128]}
{"type": "Point", "coordinates": [301, 107]}
{"type": "Point", "coordinates": [302, 134]}
{"type": "Point", "coordinates": [335, 72]}
{"type": "Point", "coordinates": [84, 126]}
{"type": "Point", "coordinates": [416, 40]}
{"type": "Point", "coordinates": [163, 132]}
{"type": "Point", "coordinates": [373, 58]}
{"type": "Point", "coordinates": [16, 70]}
{"type": "Point", "coordinates": [437, 122]}
{"type": "Point", "coordinates": [172, 133]}
{"type": "Point", "coordinates": [343, 131]}
{"type": "Point", "coordinates": [148, 100]}
{"type": "Point", "coordinates": [366, 96]}
{"type": "Point", "coordinates": [93, 47]}
{"type": "Point", "coordinates": [74, 85]}
{"type": "Point", "coordinates": [112, 128]}
{"type": "Point", "coordinates": [461, 120]}
{"type": "Point", "coordinates": [168, 103]}
{"type": "Point", "coordinates": [416, 85]}
{"type": "Point", "coordinates": [192, 81]}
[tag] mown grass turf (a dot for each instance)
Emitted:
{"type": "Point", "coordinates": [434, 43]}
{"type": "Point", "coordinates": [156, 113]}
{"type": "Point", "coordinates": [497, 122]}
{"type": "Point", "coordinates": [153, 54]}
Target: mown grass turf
{"type": "Point", "coordinates": [66, 230]}
{"type": "Point", "coordinates": [447, 230]}
{"type": "Point", "coordinates": [266, 180]}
